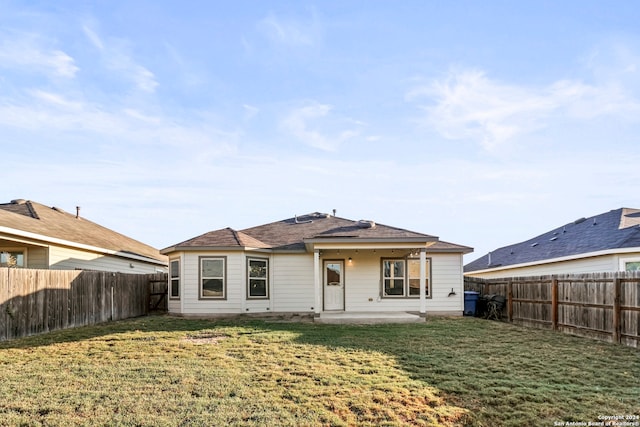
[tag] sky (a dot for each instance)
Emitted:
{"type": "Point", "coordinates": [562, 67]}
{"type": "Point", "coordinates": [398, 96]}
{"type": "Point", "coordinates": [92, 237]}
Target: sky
{"type": "Point", "coordinates": [484, 123]}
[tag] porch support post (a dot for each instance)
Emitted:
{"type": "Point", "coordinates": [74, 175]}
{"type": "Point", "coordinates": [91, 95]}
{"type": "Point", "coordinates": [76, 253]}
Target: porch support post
{"type": "Point", "coordinates": [316, 282]}
{"type": "Point", "coordinates": [423, 281]}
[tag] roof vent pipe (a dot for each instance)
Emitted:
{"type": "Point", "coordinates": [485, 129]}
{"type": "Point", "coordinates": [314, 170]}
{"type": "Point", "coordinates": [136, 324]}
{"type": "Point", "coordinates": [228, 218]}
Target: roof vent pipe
{"type": "Point", "coordinates": [489, 261]}
{"type": "Point", "coordinates": [334, 212]}
{"type": "Point", "coordinates": [77, 211]}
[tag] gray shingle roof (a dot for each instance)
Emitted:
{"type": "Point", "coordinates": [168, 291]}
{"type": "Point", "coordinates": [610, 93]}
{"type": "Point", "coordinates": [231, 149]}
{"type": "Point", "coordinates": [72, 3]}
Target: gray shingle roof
{"type": "Point", "coordinates": [291, 233]}
{"type": "Point", "coordinates": [225, 237]}
{"type": "Point", "coordinates": [32, 217]}
{"type": "Point", "coordinates": [619, 228]}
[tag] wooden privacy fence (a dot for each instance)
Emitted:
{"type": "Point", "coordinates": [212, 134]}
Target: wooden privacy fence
{"type": "Point", "coordinates": [39, 301]}
{"type": "Point", "coordinates": [604, 306]}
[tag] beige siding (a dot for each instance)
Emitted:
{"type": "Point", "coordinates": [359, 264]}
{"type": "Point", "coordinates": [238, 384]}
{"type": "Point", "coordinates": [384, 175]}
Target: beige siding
{"type": "Point", "coordinates": [191, 302]}
{"type": "Point", "coordinates": [604, 263]}
{"type": "Point", "coordinates": [37, 257]}
{"type": "Point", "coordinates": [292, 285]}
{"type": "Point", "coordinates": [63, 258]}
{"type": "Point", "coordinates": [446, 276]}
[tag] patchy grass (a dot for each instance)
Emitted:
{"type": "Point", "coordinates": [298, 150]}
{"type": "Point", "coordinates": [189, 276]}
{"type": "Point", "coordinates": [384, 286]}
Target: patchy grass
{"type": "Point", "coordinates": [158, 371]}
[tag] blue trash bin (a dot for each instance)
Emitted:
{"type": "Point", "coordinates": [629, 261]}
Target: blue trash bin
{"type": "Point", "coordinates": [470, 301]}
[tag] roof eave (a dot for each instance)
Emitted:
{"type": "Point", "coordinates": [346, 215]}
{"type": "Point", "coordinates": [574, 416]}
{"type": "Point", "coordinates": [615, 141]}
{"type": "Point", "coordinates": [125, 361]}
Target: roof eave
{"type": "Point", "coordinates": [559, 259]}
{"type": "Point", "coordinates": [173, 249]}
{"type": "Point", "coordinates": [366, 243]}
{"type": "Point", "coordinates": [339, 239]}
{"type": "Point", "coordinates": [54, 240]}
{"type": "Point", "coordinates": [462, 249]}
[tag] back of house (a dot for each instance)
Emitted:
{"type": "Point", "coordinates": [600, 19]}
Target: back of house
{"type": "Point", "coordinates": [313, 264]}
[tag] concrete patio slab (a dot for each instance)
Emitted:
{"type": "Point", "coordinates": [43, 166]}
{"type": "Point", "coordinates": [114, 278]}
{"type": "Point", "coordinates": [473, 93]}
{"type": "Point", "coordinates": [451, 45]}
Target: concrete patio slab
{"type": "Point", "coordinates": [368, 317]}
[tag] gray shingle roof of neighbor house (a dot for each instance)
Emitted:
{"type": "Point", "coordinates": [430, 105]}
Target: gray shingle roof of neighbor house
{"type": "Point", "coordinates": [49, 223]}
{"type": "Point", "coordinates": [616, 229]}
{"type": "Point", "coordinates": [292, 233]}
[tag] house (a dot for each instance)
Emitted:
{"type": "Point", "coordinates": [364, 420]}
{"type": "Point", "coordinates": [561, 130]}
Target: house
{"type": "Point", "coordinates": [33, 235]}
{"type": "Point", "coordinates": [608, 242]}
{"type": "Point", "coordinates": [315, 264]}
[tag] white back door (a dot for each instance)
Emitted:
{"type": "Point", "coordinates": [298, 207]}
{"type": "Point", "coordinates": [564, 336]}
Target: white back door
{"type": "Point", "coordinates": [333, 285]}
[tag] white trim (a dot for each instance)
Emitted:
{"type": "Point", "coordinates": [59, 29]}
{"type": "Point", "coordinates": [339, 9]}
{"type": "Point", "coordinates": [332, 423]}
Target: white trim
{"type": "Point", "coordinates": [182, 280]}
{"type": "Point", "coordinates": [559, 259]}
{"type": "Point", "coordinates": [316, 282]}
{"type": "Point", "coordinates": [361, 244]}
{"type": "Point", "coordinates": [423, 281]}
{"type": "Point", "coordinates": [63, 242]}
{"type": "Point", "coordinates": [623, 261]}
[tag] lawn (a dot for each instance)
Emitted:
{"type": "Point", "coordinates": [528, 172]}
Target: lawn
{"type": "Point", "coordinates": [164, 371]}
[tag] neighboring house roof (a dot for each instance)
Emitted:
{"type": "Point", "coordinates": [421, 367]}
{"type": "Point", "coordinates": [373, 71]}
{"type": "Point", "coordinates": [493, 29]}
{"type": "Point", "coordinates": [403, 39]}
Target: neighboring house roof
{"type": "Point", "coordinates": [616, 229]}
{"type": "Point", "coordinates": [53, 225]}
{"type": "Point", "coordinates": [292, 233]}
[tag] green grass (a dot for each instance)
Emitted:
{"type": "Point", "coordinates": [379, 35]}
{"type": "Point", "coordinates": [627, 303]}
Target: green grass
{"type": "Point", "coordinates": [159, 370]}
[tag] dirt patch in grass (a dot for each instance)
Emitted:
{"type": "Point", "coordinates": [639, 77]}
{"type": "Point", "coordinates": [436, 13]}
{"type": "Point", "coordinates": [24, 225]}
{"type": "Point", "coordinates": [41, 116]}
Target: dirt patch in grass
{"type": "Point", "coordinates": [205, 337]}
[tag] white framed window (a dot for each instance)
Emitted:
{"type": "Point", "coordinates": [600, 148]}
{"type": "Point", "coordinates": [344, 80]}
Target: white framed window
{"type": "Point", "coordinates": [213, 277]}
{"type": "Point", "coordinates": [393, 277]}
{"type": "Point", "coordinates": [174, 279]}
{"type": "Point", "coordinates": [258, 278]}
{"type": "Point", "coordinates": [12, 258]}
{"type": "Point", "coordinates": [413, 271]}
{"type": "Point", "coordinates": [630, 264]}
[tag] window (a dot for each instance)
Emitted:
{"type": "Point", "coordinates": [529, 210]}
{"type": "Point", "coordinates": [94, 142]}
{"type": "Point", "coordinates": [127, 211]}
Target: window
{"type": "Point", "coordinates": [174, 279]}
{"type": "Point", "coordinates": [393, 277]}
{"type": "Point", "coordinates": [632, 266]}
{"type": "Point", "coordinates": [258, 278]}
{"type": "Point", "coordinates": [414, 276]}
{"type": "Point", "coordinates": [12, 258]}
{"type": "Point", "coordinates": [213, 277]}
{"type": "Point", "coordinates": [629, 263]}
{"type": "Point", "coordinates": [401, 277]}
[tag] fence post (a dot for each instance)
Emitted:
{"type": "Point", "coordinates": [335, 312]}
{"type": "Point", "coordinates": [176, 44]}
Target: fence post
{"type": "Point", "coordinates": [510, 300]}
{"type": "Point", "coordinates": [617, 338]}
{"type": "Point", "coordinates": [554, 303]}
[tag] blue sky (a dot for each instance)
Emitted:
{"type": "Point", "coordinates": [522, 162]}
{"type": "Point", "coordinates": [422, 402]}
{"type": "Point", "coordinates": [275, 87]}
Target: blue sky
{"type": "Point", "coordinates": [484, 123]}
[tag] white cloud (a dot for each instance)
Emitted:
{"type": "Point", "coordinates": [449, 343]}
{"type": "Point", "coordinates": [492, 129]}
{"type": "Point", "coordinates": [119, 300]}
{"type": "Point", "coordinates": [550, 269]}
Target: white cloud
{"type": "Point", "coordinates": [290, 31]}
{"type": "Point", "coordinates": [469, 105]}
{"type": "Point", "coordinates": [115, 54]}
{"type": "Point", "coordinates": [250, 111]}
{"type": "Point", "coordinates": [53, 114]}
{"type": "Point", "coordinates": [27, 52]}
{"type": "Point", "coordinates": [299, 123]}
{"type": "Point", "coordinates": [55, 99]}
{"type": "Point", "coordinates": [93, 37]}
